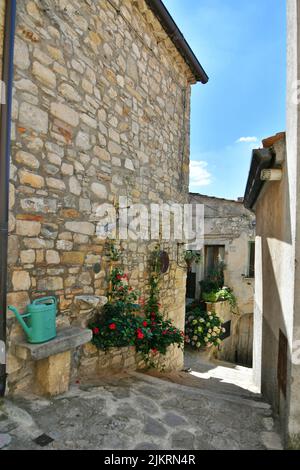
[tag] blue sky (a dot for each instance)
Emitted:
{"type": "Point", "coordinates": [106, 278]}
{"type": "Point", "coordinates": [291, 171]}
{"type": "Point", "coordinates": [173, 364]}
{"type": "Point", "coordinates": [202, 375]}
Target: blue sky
{"type": "Point", "coordinates": [241, 45]}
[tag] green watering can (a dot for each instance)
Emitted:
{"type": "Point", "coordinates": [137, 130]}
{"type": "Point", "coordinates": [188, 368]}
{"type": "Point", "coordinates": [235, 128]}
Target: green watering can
{"type": "Point", "coordinates": [41, 324]}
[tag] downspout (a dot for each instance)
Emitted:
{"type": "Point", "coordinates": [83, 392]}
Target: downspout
{"type": "Point", "coordinates": [5, 141]}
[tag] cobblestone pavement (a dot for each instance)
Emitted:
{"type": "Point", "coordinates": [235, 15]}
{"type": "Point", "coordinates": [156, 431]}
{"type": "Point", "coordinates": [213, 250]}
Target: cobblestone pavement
{"type": "Point", "coordinates": [136, 411]}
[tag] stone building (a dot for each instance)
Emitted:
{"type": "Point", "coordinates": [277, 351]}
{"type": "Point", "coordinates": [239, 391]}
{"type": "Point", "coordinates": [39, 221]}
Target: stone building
{"type": "Point", "coordinates": [268, 198]}
{"type": "Point", "coordinates": [276, 346]}
{"type": "Point", "coordinates": [272, 192]}
{"type": "Point", "coordinates": [229, 237]}
{"type": "Point", "coordinates": [101, 109]}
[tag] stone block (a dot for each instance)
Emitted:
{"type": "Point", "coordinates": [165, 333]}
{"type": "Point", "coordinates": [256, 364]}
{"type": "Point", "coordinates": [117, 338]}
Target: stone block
{"type": "Point", "coordinates": [20, 300]}
{"type": "Point", "coordinates": [28, 228]}
{"type": "Point", "coordinates": [34, 118]}
{"type": "Point", "coordinates": [27, 159]}
{"type": "Point", "coordinates": [50, 284]}
{"type": "Point", "coordinates": [72, 258]}
{"type": "Point", "coordinates": [21, 280]}
{"type": "Point", "coordinates": [65, 114]}
{"type": "Point", "coordinates": [31, 179]}
{"type": "Point", "coordinates": [85, 228]}
{"type": "Point", "coordinates": [53, 374]}
{"type": "Point", "coordinates": [44, 74]}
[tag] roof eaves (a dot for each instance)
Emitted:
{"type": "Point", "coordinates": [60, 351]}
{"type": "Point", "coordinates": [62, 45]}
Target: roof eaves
{"type": "Point", "coordinates": [176, 36]}
{"type": "Point", "coordinates": [261, 159]}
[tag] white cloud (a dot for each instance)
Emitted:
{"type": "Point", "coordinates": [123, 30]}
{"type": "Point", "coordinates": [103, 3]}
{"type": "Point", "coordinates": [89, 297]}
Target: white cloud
{"type": "Point", "coordinates": [199, 175]}
{"type": "Point", "coordinates": [247, 140]}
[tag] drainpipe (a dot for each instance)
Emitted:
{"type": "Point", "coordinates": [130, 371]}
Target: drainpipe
{"type": "Point", "coordinates": [5, 141]}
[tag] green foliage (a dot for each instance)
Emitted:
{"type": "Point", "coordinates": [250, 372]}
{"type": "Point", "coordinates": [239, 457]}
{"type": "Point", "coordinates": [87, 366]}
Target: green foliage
{"type": "Point", "coordinates": [113, 253]}
{"type": "Point", "coordinates": [123, 322]}
{"type": "Point", "coordinates": [203, 329]}
{"type": "Point", "coordinates": [121, 293]}
{"type": "Point", "coordinates": [214, 279]}
{"type": "Point", "coordinates": [221, 295]}
{"type": "Point", "coordinates": [192, 257]}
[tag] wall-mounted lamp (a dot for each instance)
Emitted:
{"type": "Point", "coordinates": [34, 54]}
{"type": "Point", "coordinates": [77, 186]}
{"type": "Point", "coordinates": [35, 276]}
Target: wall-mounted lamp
{"type": "Point", "coordinates": [271, 175]}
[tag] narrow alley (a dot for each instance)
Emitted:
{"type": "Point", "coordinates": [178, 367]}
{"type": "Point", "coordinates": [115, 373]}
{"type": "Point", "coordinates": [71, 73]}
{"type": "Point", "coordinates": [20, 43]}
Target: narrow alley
{"type": "Point", "coordinates": [206, 409]}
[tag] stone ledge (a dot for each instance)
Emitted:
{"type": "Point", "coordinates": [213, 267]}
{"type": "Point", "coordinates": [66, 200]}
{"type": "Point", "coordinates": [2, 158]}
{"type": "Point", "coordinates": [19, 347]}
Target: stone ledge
{"type": "Point", "coordinates": [67, 339]}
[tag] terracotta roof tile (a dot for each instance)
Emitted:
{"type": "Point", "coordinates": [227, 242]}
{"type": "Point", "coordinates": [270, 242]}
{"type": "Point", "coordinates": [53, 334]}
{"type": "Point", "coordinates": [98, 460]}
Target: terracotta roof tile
{"type": "Point", "coordinates": [270, 141]}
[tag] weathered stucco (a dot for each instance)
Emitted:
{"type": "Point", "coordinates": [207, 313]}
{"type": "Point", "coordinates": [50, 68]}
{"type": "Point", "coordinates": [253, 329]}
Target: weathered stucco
{"type": "Point", "coordinates": [227, 223]}
{"type": "Point", "coordinates": [101, 110]}
{"type": "Point", "coordinates": [277, 298]}
{"type": "Point", "coordinates": [273, 277]}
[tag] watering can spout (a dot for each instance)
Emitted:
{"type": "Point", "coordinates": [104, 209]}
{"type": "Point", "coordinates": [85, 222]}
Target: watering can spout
{"type": "Point", "coordinates": [20, 319]}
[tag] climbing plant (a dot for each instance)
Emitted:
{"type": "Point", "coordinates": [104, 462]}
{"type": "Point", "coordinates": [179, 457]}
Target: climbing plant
{"type": "Point", "coordinates": [125, 322]}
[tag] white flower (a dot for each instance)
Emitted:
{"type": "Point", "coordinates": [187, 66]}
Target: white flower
{"type": "Point", "coordinates": [224, 330]}
{"type": "Point", "coordinates": [206, 340]}
{"type": "Point", "coordinates": [210, 330]}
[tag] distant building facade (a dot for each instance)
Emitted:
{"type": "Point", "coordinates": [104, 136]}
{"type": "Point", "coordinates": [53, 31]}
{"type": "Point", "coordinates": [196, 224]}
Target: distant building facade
{"type": "Point", "coordinates": [229, 238]}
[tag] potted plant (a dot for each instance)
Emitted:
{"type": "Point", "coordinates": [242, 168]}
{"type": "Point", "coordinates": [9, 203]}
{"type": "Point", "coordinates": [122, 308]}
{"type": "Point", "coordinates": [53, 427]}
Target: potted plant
{"type": "Point", "coordinates": [192, 257]}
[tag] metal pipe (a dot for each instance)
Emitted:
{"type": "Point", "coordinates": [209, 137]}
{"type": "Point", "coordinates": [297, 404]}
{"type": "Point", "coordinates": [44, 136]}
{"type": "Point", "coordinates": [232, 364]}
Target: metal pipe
{"type": "Point", "coordinates": [5, 141]}
{"type": "Point", "coordinates": [178, 39]}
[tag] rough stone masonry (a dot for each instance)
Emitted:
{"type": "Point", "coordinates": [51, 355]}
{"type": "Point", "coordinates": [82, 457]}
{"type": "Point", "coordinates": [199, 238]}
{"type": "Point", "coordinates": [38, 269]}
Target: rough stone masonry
{"type": "Point", "coordinates": [101, 109]}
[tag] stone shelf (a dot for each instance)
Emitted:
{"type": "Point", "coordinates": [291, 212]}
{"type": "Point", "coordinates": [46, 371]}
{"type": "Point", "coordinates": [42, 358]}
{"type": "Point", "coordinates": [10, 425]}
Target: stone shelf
{"type": "Point", "coordinates": [67, 339]}
{"type": "Point", "coordinates": [53, 359]}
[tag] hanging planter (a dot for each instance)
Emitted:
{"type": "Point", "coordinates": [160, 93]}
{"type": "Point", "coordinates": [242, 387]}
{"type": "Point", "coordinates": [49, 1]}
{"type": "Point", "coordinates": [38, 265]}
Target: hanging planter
{"type": "Point", "coordinates": [192, 257]}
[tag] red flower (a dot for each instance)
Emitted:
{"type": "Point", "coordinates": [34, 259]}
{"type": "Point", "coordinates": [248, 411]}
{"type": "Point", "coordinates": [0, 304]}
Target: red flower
{"type": "Point", "coordinates": [155, 351]}
{"type": "Point", "coordinates": [119, 278]}
{"type": "Point", "coordinates": [112, 326]}
{"type": "Point", "coordinates": [140, 335]}
{"type": "Point", "coordinates": [96, 331]}
{"type": "Point", "coordinates": [164, 332]}
{"type": "Point", "coordinates": [145, 323]}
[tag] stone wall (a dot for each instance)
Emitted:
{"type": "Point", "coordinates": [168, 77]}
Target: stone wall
{"type": "Point", "coordinates": [227, 223]}
{"type": "Point", "coordinates": [94, 362]}
{"type": "Point", "coordinates": [101, 110]}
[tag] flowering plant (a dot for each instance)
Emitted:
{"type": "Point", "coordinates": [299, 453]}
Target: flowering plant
{"type": "Point", "coordinates": [203, 328]}
{"type": "Point", "coordinates": [123, 322]}
{"type": "Point", "coordinates": [121, 293]}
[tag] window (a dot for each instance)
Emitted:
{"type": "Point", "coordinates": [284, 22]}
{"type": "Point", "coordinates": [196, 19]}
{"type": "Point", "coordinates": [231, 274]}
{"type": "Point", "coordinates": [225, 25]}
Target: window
{"type": "Point", "coordinates": [251, 267]}
{"type": "Point", "coordinates": [214, 255]}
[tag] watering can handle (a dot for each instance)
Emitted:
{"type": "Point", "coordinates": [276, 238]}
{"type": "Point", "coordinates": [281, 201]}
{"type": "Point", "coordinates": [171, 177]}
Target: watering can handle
{"type": "Point", "coordinates": [20, 319]}
{"type": "Point", "coordinates": [37, 301]}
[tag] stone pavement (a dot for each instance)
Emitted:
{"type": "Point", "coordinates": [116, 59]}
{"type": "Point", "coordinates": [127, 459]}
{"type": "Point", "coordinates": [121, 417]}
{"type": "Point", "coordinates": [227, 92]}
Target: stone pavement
{"type": "Point", "coordinates": [137, 411]}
